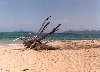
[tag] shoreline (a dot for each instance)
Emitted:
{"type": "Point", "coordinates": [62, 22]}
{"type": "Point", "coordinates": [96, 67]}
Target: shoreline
{"type": "Point", "coordinates": [59, 43]}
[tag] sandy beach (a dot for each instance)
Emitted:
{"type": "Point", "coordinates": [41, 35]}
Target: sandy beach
{"type": "Point", "coordinates": [72, 56]}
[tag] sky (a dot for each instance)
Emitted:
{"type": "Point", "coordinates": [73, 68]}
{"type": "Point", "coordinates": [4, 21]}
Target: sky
{"type": "Point", "coordinates": [29, 15]}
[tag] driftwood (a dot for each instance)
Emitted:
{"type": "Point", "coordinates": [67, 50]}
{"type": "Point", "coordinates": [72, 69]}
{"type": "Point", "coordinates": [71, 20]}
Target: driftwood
{"type": "Point", "coordinates": [35, 42]}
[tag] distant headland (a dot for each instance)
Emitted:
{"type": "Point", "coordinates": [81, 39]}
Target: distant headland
{"type": "Point", "coordinates": [23, 31]}
{"type": "Point", "coordinates": [84, 32]}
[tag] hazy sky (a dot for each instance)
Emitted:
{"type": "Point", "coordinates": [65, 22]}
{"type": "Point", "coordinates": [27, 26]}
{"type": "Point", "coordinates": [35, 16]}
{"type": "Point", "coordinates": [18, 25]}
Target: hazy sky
{"type": "Point", "coordinates": [30, 14]}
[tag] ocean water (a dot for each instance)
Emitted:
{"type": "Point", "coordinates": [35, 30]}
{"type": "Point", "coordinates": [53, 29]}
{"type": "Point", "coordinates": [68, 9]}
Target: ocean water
{"type": "Point", "coordinates": [9, 37]}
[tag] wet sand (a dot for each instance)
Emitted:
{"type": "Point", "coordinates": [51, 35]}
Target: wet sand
{"type": "Point", "coordinates": [72, 56]}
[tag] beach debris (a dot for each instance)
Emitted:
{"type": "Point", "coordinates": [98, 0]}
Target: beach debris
{"type": "Point", "coordinates": [8, 70]}
{"type": "Point", "coordinates": [25, 69]}
{"type": "Point", "coordinates": [36, 41]}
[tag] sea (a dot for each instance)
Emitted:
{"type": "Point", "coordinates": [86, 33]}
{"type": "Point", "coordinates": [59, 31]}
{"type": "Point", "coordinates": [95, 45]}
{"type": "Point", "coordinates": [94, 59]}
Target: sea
{"type": "Point", "coordinates": [12, 37]}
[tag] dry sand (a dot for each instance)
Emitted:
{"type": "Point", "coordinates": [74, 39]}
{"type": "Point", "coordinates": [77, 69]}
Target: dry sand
{"type": "Point", "coordinates": [73, 56]}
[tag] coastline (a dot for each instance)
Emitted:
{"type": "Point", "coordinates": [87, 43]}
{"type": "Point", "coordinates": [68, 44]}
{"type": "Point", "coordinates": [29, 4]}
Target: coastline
{"type": "Point", "coordinates": [72, 56]}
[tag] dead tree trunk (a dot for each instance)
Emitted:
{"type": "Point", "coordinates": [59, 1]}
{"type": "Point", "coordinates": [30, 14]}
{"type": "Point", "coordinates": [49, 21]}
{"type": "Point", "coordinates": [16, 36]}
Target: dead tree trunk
{"type": "Point", "coordinates": [36, 41]}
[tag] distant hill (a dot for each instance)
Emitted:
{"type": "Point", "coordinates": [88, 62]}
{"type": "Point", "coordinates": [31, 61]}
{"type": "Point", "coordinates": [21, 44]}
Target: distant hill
{"type": "Point", "coordinates": [84, 32]}
{"type": "Point", "coordinates": [23, 31]}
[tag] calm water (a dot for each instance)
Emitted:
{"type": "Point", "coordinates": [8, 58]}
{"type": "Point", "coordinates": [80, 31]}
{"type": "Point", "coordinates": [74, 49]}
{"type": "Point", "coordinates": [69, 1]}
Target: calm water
{"type": "Point", "coordinates": [8, 37]}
